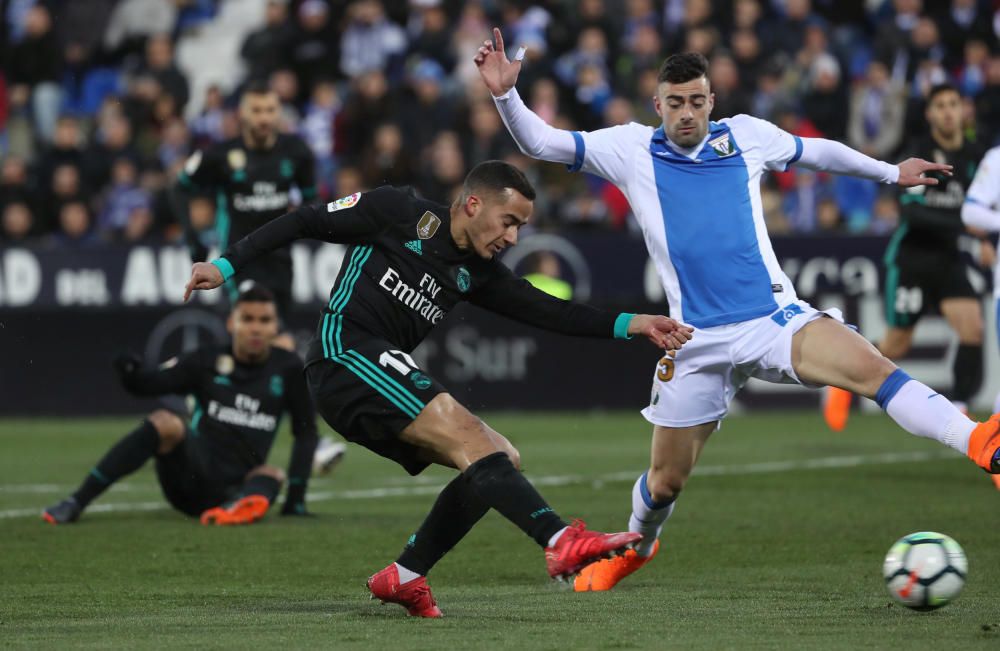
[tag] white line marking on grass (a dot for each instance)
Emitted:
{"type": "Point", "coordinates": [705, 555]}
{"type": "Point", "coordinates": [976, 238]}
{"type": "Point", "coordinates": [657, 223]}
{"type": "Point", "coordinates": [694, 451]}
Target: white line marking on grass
{"type": "Point", "coordinates": [766, 467]}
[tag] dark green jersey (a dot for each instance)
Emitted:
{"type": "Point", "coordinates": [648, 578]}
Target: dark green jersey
{"type": "Point", "coordinates": [931, 216]}
{"type": "Point", "coordinates": [252, 187]}
{"type": "Point", "coordinates": [237, 407]}
{"type": "Point", "coordinates": [404, 273]}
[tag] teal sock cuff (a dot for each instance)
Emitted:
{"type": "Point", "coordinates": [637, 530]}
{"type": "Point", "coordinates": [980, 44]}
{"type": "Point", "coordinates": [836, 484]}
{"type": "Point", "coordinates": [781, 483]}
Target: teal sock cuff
{"type": "Point", "coordinates": [225, 267]}
{"type": "Point", "coordinates": [621, 325]}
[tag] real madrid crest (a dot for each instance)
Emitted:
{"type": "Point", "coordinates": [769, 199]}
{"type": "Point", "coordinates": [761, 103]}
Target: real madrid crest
{"type": "Point", "coordinates": [237, 159]}
{"type": "Point", "coordinates": [224, 364]}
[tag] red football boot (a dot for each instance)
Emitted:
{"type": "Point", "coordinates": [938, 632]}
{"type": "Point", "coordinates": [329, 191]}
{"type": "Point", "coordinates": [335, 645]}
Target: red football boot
{"type": "Point", "coordinates": [413, 595]}
{"type": "Point", "coordinates": [577, 548]}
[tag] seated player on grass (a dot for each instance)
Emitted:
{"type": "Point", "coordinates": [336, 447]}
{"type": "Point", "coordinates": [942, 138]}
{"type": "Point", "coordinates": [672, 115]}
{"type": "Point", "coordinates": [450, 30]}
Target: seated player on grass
{"type": "Point", "coordinates": [411, 261]}
{"type": "Point", "coordinates": [215, 465]}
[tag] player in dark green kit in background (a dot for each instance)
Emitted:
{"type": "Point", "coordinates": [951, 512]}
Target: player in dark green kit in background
{"type": "Point", "coordinates": [215, 466]}
{"type": "Point", "coordinates": [251, 177]}
{"type": "Point", "coordinates": [924, 267]}
{"type": "Point", "coordinates": [411, 262]}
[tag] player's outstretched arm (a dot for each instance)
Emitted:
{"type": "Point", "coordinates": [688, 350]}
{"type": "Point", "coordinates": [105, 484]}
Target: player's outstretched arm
{"type": "Point", "coordinates": [664, 332]}
{"type": "Point", "coordinates": [517, 299]}
{"type": "Point", "coordinates": [824, 155]}
{"type": "Point", "coordinates": [533, 136]}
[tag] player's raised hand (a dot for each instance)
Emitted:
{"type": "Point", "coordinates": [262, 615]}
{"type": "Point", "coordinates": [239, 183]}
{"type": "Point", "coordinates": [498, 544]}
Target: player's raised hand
{"type": "Point", "coordinates": [665, 332]}
{"type": "Point", "coordinates": [204, 275]}
{"type": "Point", "coordinates": [912, 170]}
{"type": "Point", "coordinates": [497, 72]}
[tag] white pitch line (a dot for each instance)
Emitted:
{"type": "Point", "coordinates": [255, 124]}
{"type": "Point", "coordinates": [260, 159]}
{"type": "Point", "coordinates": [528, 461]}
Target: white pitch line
{"type": "Point", "coordinates": [766, 467]}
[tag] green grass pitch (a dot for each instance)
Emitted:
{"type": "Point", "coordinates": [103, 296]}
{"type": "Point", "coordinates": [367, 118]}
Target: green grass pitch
{"type": "Point", "coordinates": [776, 544]}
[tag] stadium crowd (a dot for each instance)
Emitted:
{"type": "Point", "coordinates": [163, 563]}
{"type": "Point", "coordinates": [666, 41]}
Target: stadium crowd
{"type": "Point", "coordinates": [96, 117]}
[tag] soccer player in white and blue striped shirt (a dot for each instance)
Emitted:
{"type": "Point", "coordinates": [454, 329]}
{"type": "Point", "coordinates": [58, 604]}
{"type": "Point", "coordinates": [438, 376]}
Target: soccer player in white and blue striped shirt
{"type": "Point", "coordinates": [694, 187]}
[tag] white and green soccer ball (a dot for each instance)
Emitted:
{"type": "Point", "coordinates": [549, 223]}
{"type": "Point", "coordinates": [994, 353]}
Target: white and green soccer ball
{"type": "Point", "coordinates": [925, 570]}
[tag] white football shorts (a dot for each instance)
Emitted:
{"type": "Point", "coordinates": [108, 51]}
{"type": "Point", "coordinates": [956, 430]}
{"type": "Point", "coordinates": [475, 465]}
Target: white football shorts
{"type": "Point", "coordinates": [695, 384]}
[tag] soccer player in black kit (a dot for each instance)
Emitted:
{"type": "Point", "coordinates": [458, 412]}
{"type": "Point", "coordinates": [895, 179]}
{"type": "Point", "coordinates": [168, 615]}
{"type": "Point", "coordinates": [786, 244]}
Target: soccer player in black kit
{"type": "Point", "coordinates": [924, 267]}
{"type": "Point", "coordinates": [252, 177]}
{"type": "Point", "coordinates": [215, 466]}
{"type": "Point", "coordinates": [410, 262]}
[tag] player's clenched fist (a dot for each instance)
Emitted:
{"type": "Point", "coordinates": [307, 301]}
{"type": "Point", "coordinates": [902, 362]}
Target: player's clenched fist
{"type": "Point", "coordinates": [204, 275]}
{"type": "Point", "coordinates": [665, 332]}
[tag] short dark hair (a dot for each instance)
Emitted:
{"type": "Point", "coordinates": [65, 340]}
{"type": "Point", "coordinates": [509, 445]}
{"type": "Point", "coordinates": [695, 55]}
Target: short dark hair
{"type": "Point", "coordinates": [254, 293]}
{"type": "Point", "coordinates": [679, 68]}
{"type": "Point", "coordinates": [256, 87]}
{"type": "Point", "coordinates": [937, 89]}
{"type": "Point", "coordinates": [495, 176]}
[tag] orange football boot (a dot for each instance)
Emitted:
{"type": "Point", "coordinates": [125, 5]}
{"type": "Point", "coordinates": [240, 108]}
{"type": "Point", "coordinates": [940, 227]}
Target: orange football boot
{"type": "Point", "coordinates": [605, 574]}
{"type": "Point", "coordinates": [836, 408]}
{"type": "Point", "coordinates": [245, 510]}
{"type": "Point", "coordinates": [984, 444]}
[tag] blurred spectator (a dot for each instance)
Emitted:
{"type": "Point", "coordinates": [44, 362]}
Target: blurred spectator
{"type": "Point", "coordinates": [790, 31]}
{"type": "Point", "coordinates": [266, 49]}
{"type": "Point", "coordinates": [369, 104]}
{"type": "Point", "coordinates": [75, 226]}
{"type": "Point", "coordinates": [445, 168]}
{"type": "Point", "coordinates": [113, 141]}
{"type": "Point", "coordinates": [349, 181]}
{"type": "Point", "coordinates": [748, 57]}
{"type": "Point", "coordinates": [206, 127]}
{"type": "Point", "coordinates": [886, 214]}
{"type": "Point", "coordinates": [132, 21]}
{"type": "Point", "coordinates": [35, 70]}
{"type": "Point", "coordinates": [963, 22]}
{"type": "Point", "coordinates": [828, 216]}
{"type": "Point", "coordinates": [371, 41]}
{"type": "Point", "coordinates": [174, 144]}
{"type": "Point", "coordinates": [988, 102]}
{"type": "Point", "coordinates": [893, 37]}
{"type": "Point", "coordinates": [160, 66]}
{"type": "Point", "coordinates": [66, 149]}
{"type": "Point", "coordinates": [387, 161]}
{"type": "Point", "coordinates": [972, 73]}
{"type": "Point", "coordinates": [432, 112]}
{"type": "Point", "coordinates": [17, 223]}
{"type": "Point", "coordinates": [66, 186]}
{"type": "Point", "coordinates": [124, 198]}
{"type": "Point", "coordinates": [314, 52]}
{"type": "Point", "coordinates": [14, 186]}
{"type": "Point", "coordinates": [472, 29]}
{"type": "Point", "coordinates": [877, 109]}
{"type": "Point", "coordinates": [286, 85]}
{"type": "Point", "coordinates": [730, 99]}
{"type": "Point", "coordinates": [488, 140]}
{"type": "Point", "coordinates": [802, 204]}
{"type": "Point", "coordinates": [317, 131]}
{"type": "Point", "coordinates": [430, 37]}
{"type": "Point", "coordinates": [825, 104]}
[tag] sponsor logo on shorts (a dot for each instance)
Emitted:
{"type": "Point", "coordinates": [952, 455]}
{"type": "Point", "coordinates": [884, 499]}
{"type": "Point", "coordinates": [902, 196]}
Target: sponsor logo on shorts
{"type": "Point", "coordinates": [786, 314]}
{"type": "Point", "coordinates": [428, 225]}
{"type": "Point", "coordinates": [420, 380]}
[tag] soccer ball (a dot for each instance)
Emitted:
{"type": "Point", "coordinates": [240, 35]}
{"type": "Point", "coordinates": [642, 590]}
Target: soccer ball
{"type": "Point", "coordinates": [925, 570]}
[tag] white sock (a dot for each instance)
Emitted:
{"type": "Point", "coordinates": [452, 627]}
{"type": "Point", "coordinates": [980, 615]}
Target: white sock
{"type": "Point", "coordinates": [556, 536]}
{"type": "Point", "coordinates": [406, 575]}
{"type": "Point", "coordinates": [647, 517]}
{"type": "Point", "coordinates": [923, 412]}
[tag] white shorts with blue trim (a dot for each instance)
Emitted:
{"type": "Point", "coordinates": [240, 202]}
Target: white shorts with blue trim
{"type": "Point", "coordinates": [697, 384]}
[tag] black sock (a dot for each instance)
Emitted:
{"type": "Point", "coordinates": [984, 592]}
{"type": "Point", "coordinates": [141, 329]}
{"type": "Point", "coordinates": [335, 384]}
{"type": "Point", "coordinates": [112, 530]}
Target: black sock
{"type": "Point", "coordinates": [499, 484]}
{"type": "Point", "coordinates": [262, 485]}
{"type": "Point", "coordinates": [968, 372]}
{"type": "Point", "coordinates": [457, 509]}
{"type": "Point", "coordinates": [124, 458]}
